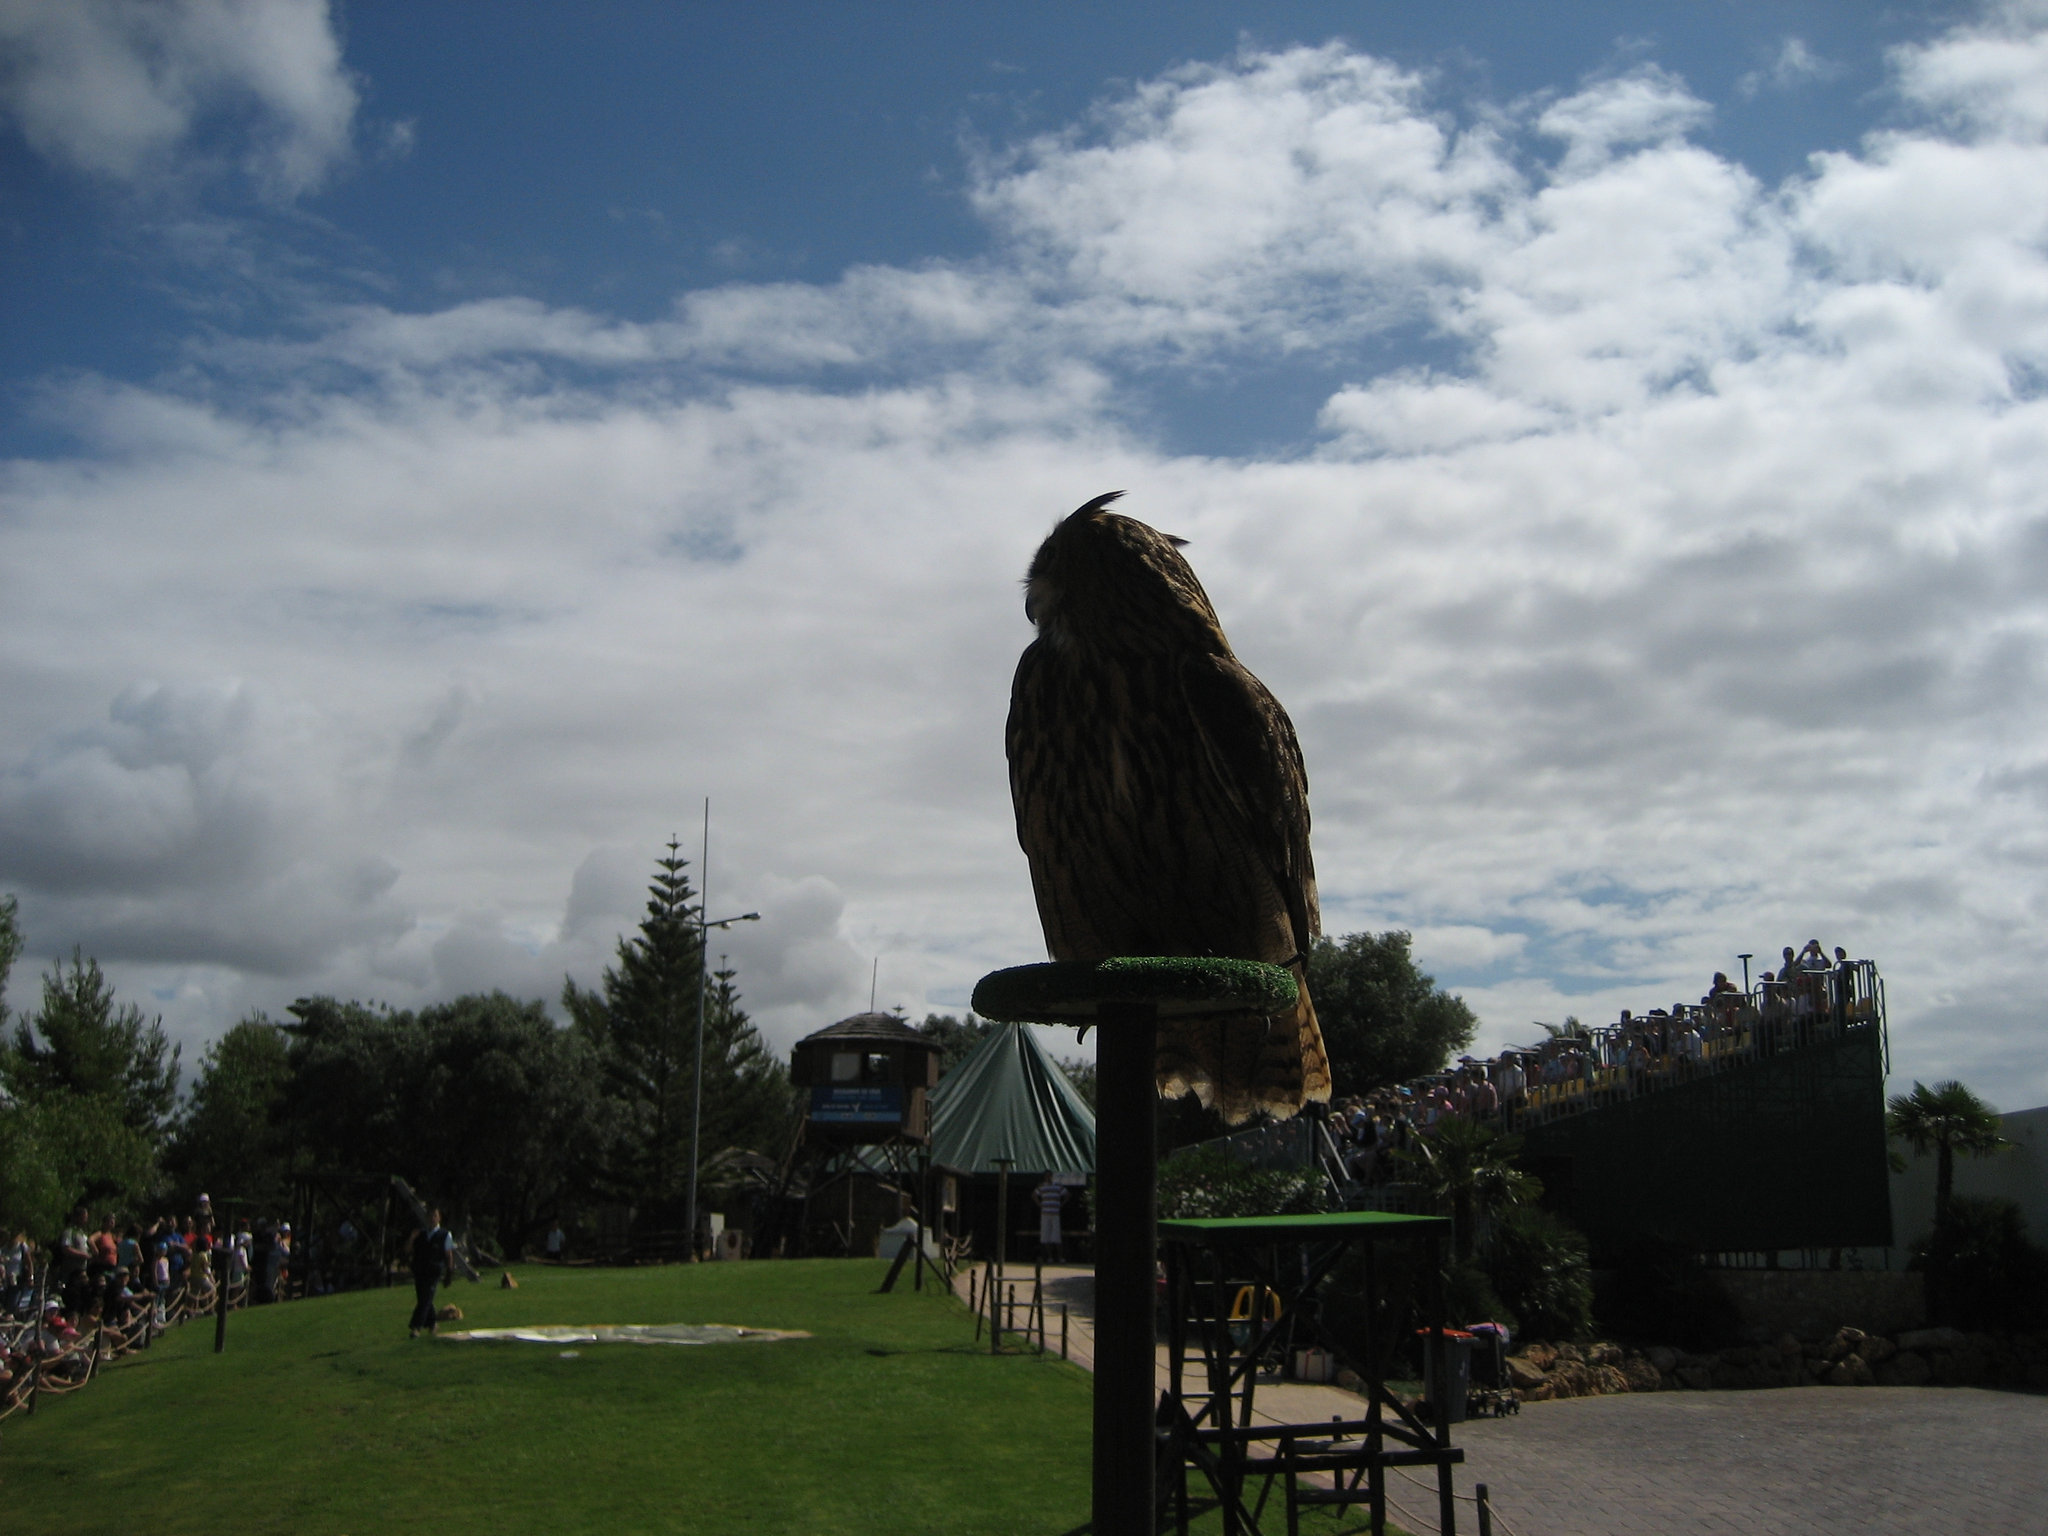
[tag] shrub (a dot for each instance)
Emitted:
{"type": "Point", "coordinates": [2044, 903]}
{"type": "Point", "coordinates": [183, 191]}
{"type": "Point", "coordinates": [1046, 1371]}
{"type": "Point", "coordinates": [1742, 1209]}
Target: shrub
{"type": "Point", "coordinates": [1206, 1182]}
{"type": "Point", "coordinates": [1537, 1265]}
{"type": "Point", "coordinates": [1663, 1293]}
{"type": "Point", "coordinates": [1981, 1270]}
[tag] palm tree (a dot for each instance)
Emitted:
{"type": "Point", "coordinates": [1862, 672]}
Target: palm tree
{"type": "Point", "coordinates": [1468, 1167]}
{"type": "Point", "coordinates": [1945, 1119]}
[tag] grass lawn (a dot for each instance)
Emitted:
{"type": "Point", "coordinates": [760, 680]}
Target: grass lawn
{"type": "Point", "coordinates": [324, 1418]}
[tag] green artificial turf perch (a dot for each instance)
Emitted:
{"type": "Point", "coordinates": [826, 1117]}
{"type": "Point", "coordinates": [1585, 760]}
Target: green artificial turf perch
{"type": "Point", "coordinates": [1179, 986]}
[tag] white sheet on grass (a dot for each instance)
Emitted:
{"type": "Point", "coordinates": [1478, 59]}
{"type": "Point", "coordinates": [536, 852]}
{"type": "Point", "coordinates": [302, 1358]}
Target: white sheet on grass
{"type": "Point", "coordinates": [634, 1333]}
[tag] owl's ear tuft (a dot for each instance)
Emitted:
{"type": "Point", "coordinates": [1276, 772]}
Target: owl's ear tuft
{"type": "Point", "coordinates": [1099, 504]}
{"type": "Point", "coordinates": [1176, 540]}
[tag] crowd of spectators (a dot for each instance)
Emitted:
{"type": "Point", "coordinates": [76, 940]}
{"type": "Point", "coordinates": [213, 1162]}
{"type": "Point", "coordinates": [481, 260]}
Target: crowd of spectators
{"type": "Point", "coordinates": [107, 1286]}
{"type": "Point", "coordinates": [1578, 1068]}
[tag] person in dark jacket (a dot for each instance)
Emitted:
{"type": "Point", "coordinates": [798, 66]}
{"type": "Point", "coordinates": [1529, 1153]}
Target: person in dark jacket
{"type": "Point", "coordinates": [433, 1262]}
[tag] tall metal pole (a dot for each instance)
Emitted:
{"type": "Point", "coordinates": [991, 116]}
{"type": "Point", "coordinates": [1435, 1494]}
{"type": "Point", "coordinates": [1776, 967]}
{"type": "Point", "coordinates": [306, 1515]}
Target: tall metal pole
{"type": "Point", "coordinates": [697, 1087]}
{"type": "Point", "coordinates": [1126, 1163]}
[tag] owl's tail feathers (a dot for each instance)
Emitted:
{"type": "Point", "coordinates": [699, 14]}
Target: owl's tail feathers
{"type": "Point", "coordinates": [1242, 1064]}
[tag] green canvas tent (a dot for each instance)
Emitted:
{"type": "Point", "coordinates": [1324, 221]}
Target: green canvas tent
{"type": "Point", "coordinates": [1009, 1099]}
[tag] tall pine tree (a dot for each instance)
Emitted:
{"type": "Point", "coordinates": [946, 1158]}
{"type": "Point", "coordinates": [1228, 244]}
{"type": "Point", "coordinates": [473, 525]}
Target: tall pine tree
{"type": "Point", "coordinates": [82, 1044]}
{"type": "Point", "coordinates": [643, 1022]}
{"type": "Point", "coordinates": [84, 1089]}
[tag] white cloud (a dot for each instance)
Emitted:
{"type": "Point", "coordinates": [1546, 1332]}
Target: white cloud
{"type": "Point", "coordinates": [1645, 106]}
{"type": "Point", "coordinates": [120, 88]}
{"type": "Point", "coordinates": [1986, 78]}
{"type": "Point", "coordinates": [1792, 66]}
{"type": "Point", "coordinates": [1691, 605]}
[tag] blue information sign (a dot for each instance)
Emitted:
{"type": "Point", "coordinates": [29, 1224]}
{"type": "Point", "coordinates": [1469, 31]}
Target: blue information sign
{"type": "Point", "coordinates": [857, 1104]}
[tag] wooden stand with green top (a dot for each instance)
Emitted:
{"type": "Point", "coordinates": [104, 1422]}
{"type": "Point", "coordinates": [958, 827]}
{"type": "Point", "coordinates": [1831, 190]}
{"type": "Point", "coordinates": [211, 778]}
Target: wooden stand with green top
{"type": "Point", "coordinates": [1125, 999]}
{"type": "Point", "coordinates": [1231, 1337]}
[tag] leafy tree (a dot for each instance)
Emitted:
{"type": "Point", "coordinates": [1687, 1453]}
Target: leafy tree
{"type": "Point", "coordinates": [228, 1138]}
{"type": "Point", "coordinates": [1081, 1074]}
{"type": "Point", "coordinates": [508, 1119]}
{"type": "Point", "coordinates": [642, 1024]}
{"type": "Point", "coordinates": [956, 1038]}
{"type": "Point", "coordinates": [1467, 1167]}
{"type": "Point", "coordinates": [10, 947]}
{"type": "Point", "coordinates": [81, 1043]}
{"type": "Point", "coordinates": [62, 1151]}
{"type": "Point", "coordinates": [1383, 1020]}
{"type": "Point", "coordinates": [1945, 1119]}
{"type": "Point", "coordinates": [483, 1104]}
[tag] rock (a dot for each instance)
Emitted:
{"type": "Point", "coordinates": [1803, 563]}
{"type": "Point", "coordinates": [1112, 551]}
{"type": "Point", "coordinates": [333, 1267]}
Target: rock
{"type": "Point", "coordinates": [1924, 1339]}
{"type": "Point", "coordinates": [1569, 1354]}
{"type": "Point", "coordinates": [1818, 1369]}
{"type": "Point", "coordinates": [1788, 1346]}
{"type": "Point", "coordinates": [1608, 1380]}
{"type": "Point", "coordinates": [1641, 1375]}
{"type": "Point", "coordinates": [1844, 1342]}
{"type": "Point", "coordinates": [1663, 1357]}
{"type": "Point", "coordinates": [1523, 1373]}
{"type": "Point", "coordinates": [1851, 1371]}
{"type": "Point", "coordinates": [1571, 1379]}
{"type": "Point", "coordinates": [1542, 1392]}
{"type": "Point", "coordinates": [1739, 1376]}
{"type": "Point", "coordinates": [1350, 1381]}
{"type": "Point", "coordinates": [1542, 1356]}
{"type": "Point", "coordinates": [1698, 1377]}
{"type": "Point", "coordinates": [1604, 1354]}
{"type": "Point", "coordinates": [1877, 1349]}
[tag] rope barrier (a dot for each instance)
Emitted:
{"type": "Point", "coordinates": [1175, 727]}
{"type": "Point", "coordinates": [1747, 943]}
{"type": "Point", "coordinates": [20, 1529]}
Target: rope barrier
{"type": "Point", "coordinates": [108, 1342]}
{"type": "Point", "coordinates": [1464, 1498]}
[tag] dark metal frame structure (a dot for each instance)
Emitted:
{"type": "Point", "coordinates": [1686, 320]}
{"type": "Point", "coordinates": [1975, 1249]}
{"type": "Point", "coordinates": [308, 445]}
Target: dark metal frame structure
{"type": "Point", "coordinates": [1784, 1150]}
{"type": "Point", "coordinates": [1207, 1426]}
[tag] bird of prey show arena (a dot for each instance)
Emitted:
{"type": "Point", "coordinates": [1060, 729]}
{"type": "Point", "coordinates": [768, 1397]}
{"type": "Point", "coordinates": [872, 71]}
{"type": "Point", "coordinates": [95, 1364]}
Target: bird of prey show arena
{"type": "Point", "coordinates": [1024, 771]}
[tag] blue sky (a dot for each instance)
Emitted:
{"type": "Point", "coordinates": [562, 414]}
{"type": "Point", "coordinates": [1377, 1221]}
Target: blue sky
{"type": "Point", "coordinates": [441, 444]}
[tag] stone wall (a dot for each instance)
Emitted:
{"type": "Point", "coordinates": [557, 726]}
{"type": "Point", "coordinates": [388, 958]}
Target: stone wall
{"type": "Point", "coordinates": [1813, 1303]}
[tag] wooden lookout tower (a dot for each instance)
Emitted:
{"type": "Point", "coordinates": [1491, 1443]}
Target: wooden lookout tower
{"type": "Point", "coordinates": [861, 1148]}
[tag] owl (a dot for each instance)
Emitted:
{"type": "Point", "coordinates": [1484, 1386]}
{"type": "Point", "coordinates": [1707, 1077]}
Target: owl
{"type": "Point", "coordinates": [1161, 799]}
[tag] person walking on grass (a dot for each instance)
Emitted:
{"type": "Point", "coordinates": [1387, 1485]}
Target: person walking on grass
{"type": "Point", "coordinates": [433, 1262]}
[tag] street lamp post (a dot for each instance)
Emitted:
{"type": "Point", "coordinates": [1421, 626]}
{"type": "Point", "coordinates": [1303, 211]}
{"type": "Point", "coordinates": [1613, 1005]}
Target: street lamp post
{"type": "Point", "coordinates": [704, 927]}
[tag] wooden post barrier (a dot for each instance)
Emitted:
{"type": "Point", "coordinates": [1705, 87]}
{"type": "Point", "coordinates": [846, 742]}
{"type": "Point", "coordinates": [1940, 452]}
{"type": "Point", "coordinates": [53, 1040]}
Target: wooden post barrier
{"type": "Point", "coordinates": [35, 1367]}
{"type": "Point", "coordinates": [220, 1300]}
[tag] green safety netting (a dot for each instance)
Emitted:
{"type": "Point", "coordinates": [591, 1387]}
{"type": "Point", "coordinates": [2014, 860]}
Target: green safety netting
{"type": "Point", "coordinates": [1009, 1099]}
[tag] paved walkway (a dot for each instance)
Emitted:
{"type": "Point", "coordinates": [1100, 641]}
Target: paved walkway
{"type": "Point", "coordinates": [1872, 1461]}
{"type": "Point", "coordinates": [1809, 1461]}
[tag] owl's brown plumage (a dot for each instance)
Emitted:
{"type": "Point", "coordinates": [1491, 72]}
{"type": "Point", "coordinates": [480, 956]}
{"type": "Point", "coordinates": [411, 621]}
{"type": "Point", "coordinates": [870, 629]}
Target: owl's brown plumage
{"type": "Point", "coordinates": [1161, 799]}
